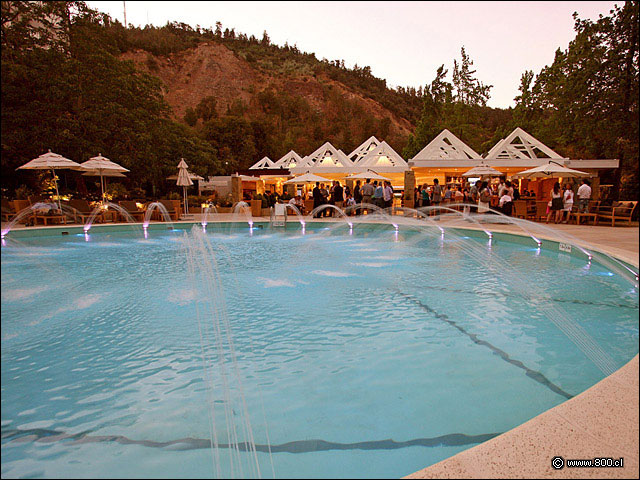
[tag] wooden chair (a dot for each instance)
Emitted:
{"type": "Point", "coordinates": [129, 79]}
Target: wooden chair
{"type": "Point", "coordinates": [541, 209]}
{"type": "Point", "coordinates": [621, 211]}
{"type": "Point", "coordinates": [592, 213]}
{"type": "Point", "coordinates": [520, 209]}
{"type": "Point", "coordinates": [7, 210]}
{"type": "Point", "coordinates": [132, 209]}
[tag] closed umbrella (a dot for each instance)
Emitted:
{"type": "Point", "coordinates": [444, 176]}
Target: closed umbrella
{"type": "Point", "coordinates": [368, 174]}
{"type": "Point", "coordinates": [184, 181]}
{"type": "Point", "coordinates": [307, 178]}
{"type": "Point", "coordinates": [482, 170]}
{"type": "Point", "coordinates": [551, 170]}
{"type": "Point", "coordinates": [102, 166]}
{"type": "Point", "coordinates": [51, 161]}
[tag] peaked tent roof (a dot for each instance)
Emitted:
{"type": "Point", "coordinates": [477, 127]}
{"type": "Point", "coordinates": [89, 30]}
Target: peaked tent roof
{"type": "Point", "coordinates": [446, 146]}
{"type": "Point", "coordinates": [289, 160]}
{"type": "Point", "coordinates": [522, 146]}
{"type": "Point", "coordinates": [383, 158]}
{"type": "Point", "coordinates": [325, 159]}
{"type": "Point", "coordinates": [365, 147]}
{"type": "Point", "coordinates": [265, 162]}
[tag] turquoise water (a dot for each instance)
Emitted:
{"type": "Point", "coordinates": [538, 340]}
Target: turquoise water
{"type": "Point", "coordinates": [370, 354]}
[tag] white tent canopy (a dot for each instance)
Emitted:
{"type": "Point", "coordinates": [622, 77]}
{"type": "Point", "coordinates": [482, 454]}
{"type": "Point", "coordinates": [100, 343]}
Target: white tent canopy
{"type": "Point", "coordinates": [446, 146]}
{"type": "Point", "coordinates": [289, 160]}
{"type": "Point", "coordinates": [519, 145]}
{"type": "Point", "coordinates": [264, 162]}
{"type": "Point", "coordinates": [307, 178]}
{"type": "Point", "coordinates": [363, 149]}
{"type": "Point", "coordinates": [383, 158]}
{"type": "Point", "coordinates": [325, 159]}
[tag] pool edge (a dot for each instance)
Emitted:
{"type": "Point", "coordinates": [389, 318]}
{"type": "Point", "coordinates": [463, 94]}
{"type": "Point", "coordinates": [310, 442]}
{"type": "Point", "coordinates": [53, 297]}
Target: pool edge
{"type": "Point", "coordinates": [602, 421]}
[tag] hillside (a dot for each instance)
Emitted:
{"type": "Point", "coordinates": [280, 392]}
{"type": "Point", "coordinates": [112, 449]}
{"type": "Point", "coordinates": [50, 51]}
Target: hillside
{"type": "Point", "coordinates": [210, 69]}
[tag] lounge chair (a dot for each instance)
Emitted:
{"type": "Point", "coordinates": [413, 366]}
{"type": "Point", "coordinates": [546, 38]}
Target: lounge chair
{"type": "Point", "coordinates": [172, 208]}
{"type": "Point", "coordinates": [132, 209]}
{"type": "Point", "coordinates": [621, 211]}
{"type": "Point", "coordinates": [82, 210]}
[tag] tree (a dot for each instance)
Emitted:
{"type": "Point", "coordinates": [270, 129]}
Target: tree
{"type": "Point", "coordinates": [586, 102]}
{"type": "Point", "coordinates": [469, 90]}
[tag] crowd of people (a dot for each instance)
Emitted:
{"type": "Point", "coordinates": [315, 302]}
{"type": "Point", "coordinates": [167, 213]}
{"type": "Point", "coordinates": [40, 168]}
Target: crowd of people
{"type": "Point", "coordinates": [381, 194]}
{"type": "Point", "coordinates": [377, 193]}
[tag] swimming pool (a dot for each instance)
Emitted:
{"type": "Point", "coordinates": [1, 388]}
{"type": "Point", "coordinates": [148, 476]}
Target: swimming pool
{"type": "Point", "coordinates": [370, 353]}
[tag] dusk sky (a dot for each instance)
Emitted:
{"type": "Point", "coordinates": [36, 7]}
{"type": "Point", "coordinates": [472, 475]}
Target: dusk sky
{"type": "Point", "coordinates": [402, 42]}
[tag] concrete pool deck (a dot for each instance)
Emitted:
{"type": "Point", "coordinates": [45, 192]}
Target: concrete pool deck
{"type": "Point", "coordinates": [600, 422]}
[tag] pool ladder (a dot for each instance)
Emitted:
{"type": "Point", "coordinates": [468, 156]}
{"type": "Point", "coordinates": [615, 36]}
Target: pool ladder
{"type": "Point", "coordinates": [278, 215]}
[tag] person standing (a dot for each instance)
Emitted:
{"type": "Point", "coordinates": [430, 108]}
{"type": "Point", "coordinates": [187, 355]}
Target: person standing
{"type": "Point", "coordinates": [387, 195]}
{"type": "Point", "coordinates": [567, 201]}
{"type": "Point", "coordinates": [448, 194]}
{"type": "Point", "coordinates": [357, 196]}
{"type": "Point", "coordinates": [318, 199]}
{"type": "Point", "coordinates": [556, 204]}
{"type": "Point", "coordinates": [367, 193]}
{"type": "Point", "coordinates": [584, 195]}
{"type": "Point", "coordinates": [325, 199]}
{"type": "Point", "coordinates": [424, 193]}
{"type": "Point", "coordinates": [484, 197]}
{"type": "Point", "coordinates": [338, 195]}
{"type": "Point", "coordinates": [436, 195]}
{"type": "Point", "coordinates": [377, 194]}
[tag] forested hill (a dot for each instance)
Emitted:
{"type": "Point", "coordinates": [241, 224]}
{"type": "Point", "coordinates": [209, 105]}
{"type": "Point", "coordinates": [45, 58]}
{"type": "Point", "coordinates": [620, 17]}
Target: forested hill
{"type": "Point", "coordinates": [78, 82]}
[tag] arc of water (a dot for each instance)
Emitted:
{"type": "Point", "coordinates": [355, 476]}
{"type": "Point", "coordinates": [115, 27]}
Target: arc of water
{"type": "Point", "coordinates": [150, 209]}
{"type": "Point", "coordinates": [246, 209]}
{"type": "Point", "coordinates": [205, 214]}
{"type": "Point", "coordinates": [326, 206]}
{"type": "Point", "coordinates": [296, 210]}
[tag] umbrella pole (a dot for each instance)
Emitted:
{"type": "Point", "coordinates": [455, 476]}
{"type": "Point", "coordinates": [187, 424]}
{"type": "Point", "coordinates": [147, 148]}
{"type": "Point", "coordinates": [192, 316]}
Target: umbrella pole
{"type": "Point", "coordinates": [102, 186]}
{"type": "Point", "coordinates": [186, 204]}
{"type": "Point", "coordinates": [55, 181]}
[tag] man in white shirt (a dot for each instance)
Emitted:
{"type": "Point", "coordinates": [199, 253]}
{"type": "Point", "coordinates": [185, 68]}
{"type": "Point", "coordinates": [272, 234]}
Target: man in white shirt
{"type": "Point", "coordinates": [506, 203]}
{"type": "Point", "coordinates": [584, 194]}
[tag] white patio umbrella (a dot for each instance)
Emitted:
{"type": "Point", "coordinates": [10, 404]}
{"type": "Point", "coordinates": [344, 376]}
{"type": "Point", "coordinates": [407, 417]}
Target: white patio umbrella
{"type": "Point", "coordinates": [51, 161]}
{"type": "Point", "coordinates": [102, 166]}
{"type": "Point", "coordinates": [307, 178]}
{"type": "Point", "coordinates": [368, 174]}
{"type": "Point", "coordinates": [550, 170]}
{"type": "Point", "coordinates": [184, 181]}
{"type": "Point", "coordinates": [481, 170]}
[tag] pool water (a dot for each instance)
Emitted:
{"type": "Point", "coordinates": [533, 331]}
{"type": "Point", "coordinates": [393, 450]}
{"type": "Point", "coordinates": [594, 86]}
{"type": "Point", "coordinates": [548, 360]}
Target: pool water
{"type": "Point", "coordinates": [369, 353]}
